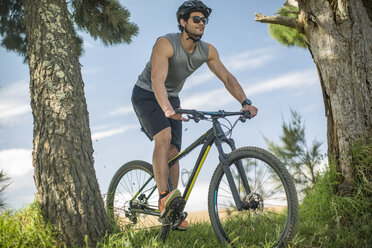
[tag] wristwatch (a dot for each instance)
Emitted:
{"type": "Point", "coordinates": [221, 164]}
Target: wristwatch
{"type": "Point", "coordinates": [246, 102]}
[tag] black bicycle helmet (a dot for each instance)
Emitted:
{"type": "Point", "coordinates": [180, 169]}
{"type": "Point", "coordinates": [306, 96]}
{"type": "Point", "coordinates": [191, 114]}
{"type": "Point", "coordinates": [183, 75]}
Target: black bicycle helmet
{"type": "Point", "coordinates": [192, 6]}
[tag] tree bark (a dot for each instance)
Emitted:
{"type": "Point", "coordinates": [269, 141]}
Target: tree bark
{"type": "Point", "coordinates": [67, 188]}
{"type": "Point", "coordinates": [339, 36]}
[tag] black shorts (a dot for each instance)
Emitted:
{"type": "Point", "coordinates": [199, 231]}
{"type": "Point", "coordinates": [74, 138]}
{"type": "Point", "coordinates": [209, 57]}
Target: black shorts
{"type": "Point", "coordinates": [152, 117]}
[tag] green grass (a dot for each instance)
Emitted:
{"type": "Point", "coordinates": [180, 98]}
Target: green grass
{"type": "Point", "coordinates": [329, 220]}
{"type": "Point", "coordinates": [199, 235]}
{"type": "Point", "coordinates": [26, 228]}
{"type": "Point", "coordinates": [326, 220]}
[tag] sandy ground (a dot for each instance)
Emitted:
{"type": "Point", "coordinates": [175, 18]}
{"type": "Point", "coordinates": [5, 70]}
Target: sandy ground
{"type": "Point", "coordinates": [203, 216]}
{"type": "Point", "coordinates": [193, 217]}
{"type": "Point", "coordinates": [196, 217]}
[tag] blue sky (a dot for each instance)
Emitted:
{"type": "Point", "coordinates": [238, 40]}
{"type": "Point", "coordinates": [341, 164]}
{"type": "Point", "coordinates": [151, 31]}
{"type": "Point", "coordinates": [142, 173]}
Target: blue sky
{"type": "Point", "coordinates": [274, 77]}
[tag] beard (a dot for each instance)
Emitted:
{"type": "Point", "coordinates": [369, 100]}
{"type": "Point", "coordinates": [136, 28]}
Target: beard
{"type": "Point", "coordinates": [194, 32]}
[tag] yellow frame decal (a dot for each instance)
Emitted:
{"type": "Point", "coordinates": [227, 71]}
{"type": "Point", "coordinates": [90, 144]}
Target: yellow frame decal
{"type": "Point", "coordinates": [197, 172]}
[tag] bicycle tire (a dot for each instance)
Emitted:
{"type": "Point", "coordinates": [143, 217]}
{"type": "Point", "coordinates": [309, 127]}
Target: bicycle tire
{"type": "Point", "coordinates": [126, 182]}
{"type": "Point", "coordinates": [273, 220]}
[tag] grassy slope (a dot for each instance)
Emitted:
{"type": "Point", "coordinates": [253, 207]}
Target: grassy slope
{"type": "Point", "coordinates": [326, 220]}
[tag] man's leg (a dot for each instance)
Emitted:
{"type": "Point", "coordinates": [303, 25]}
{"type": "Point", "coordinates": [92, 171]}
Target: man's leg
{"type": "Point", "coordinates": [161, 170]}
{"type": "Point", "coordinates": [160, 159]}
{"type": "Point", "coordinates": [174, 170]}
{"type": "Point", "coordinates": [174, 173]}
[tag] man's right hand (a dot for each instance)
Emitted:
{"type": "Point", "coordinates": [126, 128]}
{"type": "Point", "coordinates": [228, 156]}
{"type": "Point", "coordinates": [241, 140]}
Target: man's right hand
{"type": "Point", "coordinates": [170, 113]}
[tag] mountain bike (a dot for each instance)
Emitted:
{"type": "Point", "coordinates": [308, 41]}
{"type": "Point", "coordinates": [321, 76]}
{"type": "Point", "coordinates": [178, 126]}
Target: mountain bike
{"type": "Point", "coordinates": [251, 200]}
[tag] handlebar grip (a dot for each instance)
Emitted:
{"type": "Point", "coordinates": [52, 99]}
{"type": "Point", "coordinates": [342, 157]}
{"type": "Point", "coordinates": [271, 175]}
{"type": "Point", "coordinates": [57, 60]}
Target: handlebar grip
{"type": "Point", "coordinates": [186, 111]}
{"type": "Point", "coordinates": [247, 114]}
{"type": "Point", "coordinates": [218, 114]}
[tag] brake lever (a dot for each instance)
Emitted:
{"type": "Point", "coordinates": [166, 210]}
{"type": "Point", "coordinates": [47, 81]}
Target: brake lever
{"type": "Point", "coordinates": [194, 118]}
{"type": "Point", "coordinates": [245, 116]}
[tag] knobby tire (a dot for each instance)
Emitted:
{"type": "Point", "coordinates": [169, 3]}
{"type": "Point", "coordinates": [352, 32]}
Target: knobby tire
{"type": "Point", "coordinates": [273, 219]}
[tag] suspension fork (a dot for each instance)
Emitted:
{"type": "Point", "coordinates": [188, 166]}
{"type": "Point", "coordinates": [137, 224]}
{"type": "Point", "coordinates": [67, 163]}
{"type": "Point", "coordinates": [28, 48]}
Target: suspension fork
{"type": "Point", "coordinates": [221, 137]}
{"type": "Point", "coordinates": [239, 167]}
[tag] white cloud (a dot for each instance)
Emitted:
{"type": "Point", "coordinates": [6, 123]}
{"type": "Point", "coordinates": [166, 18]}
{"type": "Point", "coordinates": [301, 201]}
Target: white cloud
{"type": "Point", "coordinates": [219, 97]}
{"type": "Point", "coordinates": [91, 70]}
{"type": "Point", "coordinates": [14, 101]}
{"type": "Point", "coordinates": [121, 111]}
{"type": "Point", "coordinates": [210, 99]}
{"type": "Point", "coordinates": [237, 62]}
{"type": "Point", "coordinates": [323, 166]}
{"type": "Point", "coordinates": [197, 79]}
{"type": "Point", "coordinates": [112, 132]}
{"type": "Point", "coordinates": [15, 89]}
{"type": "Point", "coordinates": [16, 162]}
{"type": "Point", "coordinates": [288, 80]}
{"type": "Point", "coordinates": [88, 44]}
{"type": "Point", "coordinates": [249, 59]}
{"type": "Point", "coordinates": [9, 110]}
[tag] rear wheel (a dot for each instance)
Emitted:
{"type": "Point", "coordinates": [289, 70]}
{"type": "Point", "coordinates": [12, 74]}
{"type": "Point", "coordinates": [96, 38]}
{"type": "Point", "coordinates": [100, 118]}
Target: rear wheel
{"type": "Point", "coordinates": [269, 212]}
{"type": "Point", "coordinates": [123, 205]}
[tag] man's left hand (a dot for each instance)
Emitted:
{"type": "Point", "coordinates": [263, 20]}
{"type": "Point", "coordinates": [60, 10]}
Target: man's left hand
{"type": "Point", "coordinates": [252, 109]}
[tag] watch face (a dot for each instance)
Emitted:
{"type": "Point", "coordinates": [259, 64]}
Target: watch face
{"type": "Point", "coordinates": [246, 102]}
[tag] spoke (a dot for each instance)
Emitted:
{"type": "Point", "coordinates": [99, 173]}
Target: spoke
{"type": "Point", "coordinates": [129, 185]}
{"type": "Point", "coordinates": [264, 224]}
{"type": "Point", "coordinates": [131, 182]}
{"type": "Point", "coordinates": [271, 192]}
{"type": "Point", "coordinates": [255, 175]}
{"type": "Point", "coordinates": [228, 192]}
{"type": "Point", "coordinates": [226, 205]}
{"type": "Point", "coordinates": [122, 182]}
{"type": "Point", "coordinates": [266, 181]}
{"type": "Point", "coordinates": [260, 181]}
{"type": "Point", "coordinates": [225, 182]}
{"type": "Point", "coordinates": [138, 178]}
{"type": "Point", "coordinates": [225, 196]}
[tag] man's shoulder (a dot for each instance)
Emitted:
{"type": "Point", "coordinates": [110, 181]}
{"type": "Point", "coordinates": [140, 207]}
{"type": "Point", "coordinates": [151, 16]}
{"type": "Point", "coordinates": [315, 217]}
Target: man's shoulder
{"type": "Point", "coordinates": [164, 46]}
{"type": "Point", "coordinates": [171, 40]}
{"type": "Point", "coordinates": [206, 46]}
{"type": "Point", "coordinates": [173, 35]}
{"type": "Point", "coordinates": [209, 45]}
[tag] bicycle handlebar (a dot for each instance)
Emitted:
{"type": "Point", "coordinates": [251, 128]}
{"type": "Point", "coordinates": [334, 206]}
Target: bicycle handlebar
{"type": "Point", "coordinates": [200, 115]}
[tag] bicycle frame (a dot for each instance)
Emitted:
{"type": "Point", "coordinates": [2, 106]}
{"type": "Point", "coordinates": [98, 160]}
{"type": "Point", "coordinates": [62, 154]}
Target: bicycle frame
{"type": "Point", "coordinates": [214, 135]}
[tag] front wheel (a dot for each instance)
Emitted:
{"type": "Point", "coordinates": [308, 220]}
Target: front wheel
{"type": "Point", "coordinates": [269, 208]}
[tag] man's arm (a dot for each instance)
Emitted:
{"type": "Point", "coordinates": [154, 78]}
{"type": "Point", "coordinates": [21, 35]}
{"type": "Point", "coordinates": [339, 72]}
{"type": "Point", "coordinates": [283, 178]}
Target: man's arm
{"type": "Point", "coordinates": [231, 83]}
{"type": "Point", "coordinates": [162, 51]}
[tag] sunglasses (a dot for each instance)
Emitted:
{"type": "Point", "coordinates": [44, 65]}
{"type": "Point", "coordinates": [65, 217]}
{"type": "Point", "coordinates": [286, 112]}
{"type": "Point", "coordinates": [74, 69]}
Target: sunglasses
{"type": "Point", "coordinates": [197, 19]}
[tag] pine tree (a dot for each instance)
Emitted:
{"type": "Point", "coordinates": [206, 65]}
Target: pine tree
{"type": "Point", "coordinates": [302, 162]}
{"type": "Point", "coordinates": [44, 32]}
{"type": "Point", "coordinates": [4, 183]}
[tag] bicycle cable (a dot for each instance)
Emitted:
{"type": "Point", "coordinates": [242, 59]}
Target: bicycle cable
{"type": "Point", "coordinates": [229, 127]}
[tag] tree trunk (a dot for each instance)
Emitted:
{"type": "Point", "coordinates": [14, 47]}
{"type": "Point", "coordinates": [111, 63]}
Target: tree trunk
{"type": "Point", "coordinates": [67, 188]}
{"type": "Point", "coordinates": [339, 37]}
{"type": "Point", "coordinates": [339, 34]}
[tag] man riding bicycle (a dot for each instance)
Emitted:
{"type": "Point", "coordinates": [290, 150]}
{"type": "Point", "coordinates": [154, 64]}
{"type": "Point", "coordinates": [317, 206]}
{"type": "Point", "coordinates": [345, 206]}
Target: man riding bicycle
{"type": "Point", "coordinates": [174, 58]}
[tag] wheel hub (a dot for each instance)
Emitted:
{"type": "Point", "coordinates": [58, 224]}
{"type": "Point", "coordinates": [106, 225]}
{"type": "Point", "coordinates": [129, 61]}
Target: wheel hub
{"type": "Point", "coordinates": [138, 203]}
{"type": "Point", "coordinates": [253, 202]}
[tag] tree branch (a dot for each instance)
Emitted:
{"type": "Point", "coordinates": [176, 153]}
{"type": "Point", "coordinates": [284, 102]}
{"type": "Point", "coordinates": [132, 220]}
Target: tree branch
{"type": "Point", "coordinates": [281, 20]}
{"type": "Point", "coordinates": [293, 3]}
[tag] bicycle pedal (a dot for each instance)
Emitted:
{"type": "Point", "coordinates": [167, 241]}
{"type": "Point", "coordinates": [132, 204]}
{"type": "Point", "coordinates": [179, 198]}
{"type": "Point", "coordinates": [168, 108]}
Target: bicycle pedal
{"type": "Point", "coordinates": [179, 220]}
{"type": "Point", "coordinates": [175, 213]}
{"type": "Point", "coordinates": [177, 205]}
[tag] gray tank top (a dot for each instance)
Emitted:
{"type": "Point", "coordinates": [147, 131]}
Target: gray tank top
{"type": "Point", "coordinates": [181, 65]}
